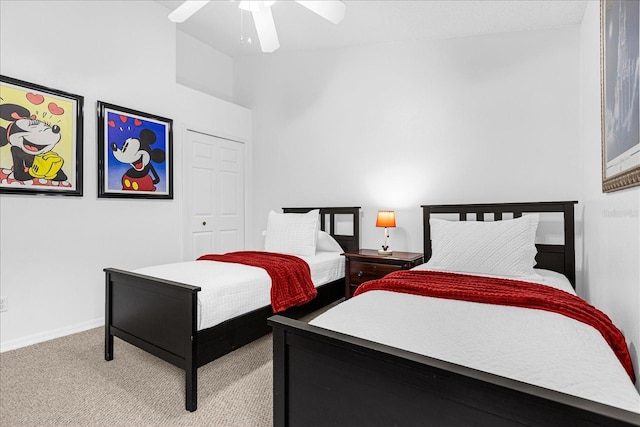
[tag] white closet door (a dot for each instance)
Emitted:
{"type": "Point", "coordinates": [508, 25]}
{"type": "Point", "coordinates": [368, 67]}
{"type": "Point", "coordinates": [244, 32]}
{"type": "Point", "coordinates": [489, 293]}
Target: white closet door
{"type": "Point", "coordinates": [214, 195]}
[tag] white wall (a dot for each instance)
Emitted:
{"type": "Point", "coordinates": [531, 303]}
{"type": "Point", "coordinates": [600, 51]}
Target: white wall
{"type": "Point", "coordinates": [203, 68]}
{"type": "Point", "coordinates": [122, 52]}
{"type": "Point", "coordinates": [483, 119]}
{"type": "Point", "coordinates": [611, 279]}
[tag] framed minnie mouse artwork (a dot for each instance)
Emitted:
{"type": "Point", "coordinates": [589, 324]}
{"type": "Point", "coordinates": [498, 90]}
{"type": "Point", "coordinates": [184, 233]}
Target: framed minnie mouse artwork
{"type": "Point", "coordinates": [135, 154]}
{"type": "Point", "coordinates": [40, 139]}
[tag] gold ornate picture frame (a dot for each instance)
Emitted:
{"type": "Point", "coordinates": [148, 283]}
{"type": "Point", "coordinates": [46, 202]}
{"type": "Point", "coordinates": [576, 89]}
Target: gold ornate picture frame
{"type": "Point", "coordinates": [620, 87]}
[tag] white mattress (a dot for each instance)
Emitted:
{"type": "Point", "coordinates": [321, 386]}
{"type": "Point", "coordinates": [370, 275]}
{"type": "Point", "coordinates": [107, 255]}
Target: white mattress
{"type": "Point", "coordinates": [230, 289]}
{"type": "Point", "coordinates": [533, 346]}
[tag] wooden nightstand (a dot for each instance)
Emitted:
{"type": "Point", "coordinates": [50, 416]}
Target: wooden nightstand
{"type": "Point", "coordinates": [367, 264]}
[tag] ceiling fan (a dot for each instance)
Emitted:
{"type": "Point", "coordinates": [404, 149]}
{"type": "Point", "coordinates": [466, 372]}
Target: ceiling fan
{"type": "Point", "coordinates": [331, 10]}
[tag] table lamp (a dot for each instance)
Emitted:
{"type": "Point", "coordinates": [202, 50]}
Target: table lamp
{"type": "Point", "coordinates": [386, 219]}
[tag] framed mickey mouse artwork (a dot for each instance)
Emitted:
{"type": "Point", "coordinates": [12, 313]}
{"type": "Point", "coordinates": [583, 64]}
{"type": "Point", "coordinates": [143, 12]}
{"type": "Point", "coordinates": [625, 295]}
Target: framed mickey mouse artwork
{"type": "Point", "coordinates": [40, 139]}
{"type": "Point", "coordinates": [135, 154]}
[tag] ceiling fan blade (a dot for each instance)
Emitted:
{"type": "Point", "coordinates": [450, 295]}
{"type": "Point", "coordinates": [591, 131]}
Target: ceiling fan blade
{"type": "Point", "coordinates": [266, 29]}
{"type": "Point", "coordinates": [331, 10]}
{"type": "Point", "coordinates": [186, 9]}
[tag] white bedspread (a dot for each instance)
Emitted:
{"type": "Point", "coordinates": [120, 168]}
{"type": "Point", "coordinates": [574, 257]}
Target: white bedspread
{"type": "Point", "coordinates": [533, 346]}
{"type": "Point", "coordinates": [229, 289]}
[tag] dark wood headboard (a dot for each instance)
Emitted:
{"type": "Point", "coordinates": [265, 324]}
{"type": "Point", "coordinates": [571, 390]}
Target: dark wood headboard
{"type": "Point", "coordinates": [348, 242]}
{"type": "Point", "coordinates": [560, 258]}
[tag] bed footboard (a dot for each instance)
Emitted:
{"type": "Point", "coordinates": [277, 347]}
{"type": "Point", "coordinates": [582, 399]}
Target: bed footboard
{"type": "Point", "coordinates": [324, 378]}
{"type": "Point", "coordinates": [158, 316]}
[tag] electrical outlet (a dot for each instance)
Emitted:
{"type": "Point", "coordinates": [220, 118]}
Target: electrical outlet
{"type": "Point", "coordinates": [4, 303]}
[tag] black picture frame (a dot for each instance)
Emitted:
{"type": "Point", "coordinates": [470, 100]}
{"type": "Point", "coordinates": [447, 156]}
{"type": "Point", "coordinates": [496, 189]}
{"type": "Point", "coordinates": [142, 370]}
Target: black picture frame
{"type": "Point", "coordinates": [619, 47]}
{"type": "Point", "coordinates": [135, 154]}
{"type": "Point", "coordinates": [41, 139]}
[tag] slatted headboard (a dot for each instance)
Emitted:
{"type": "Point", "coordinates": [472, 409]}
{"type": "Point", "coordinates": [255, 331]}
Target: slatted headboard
{"type": "Point", "coordinates": [348, 242]}
{"type": "Point", "coordinates": [555, 257]}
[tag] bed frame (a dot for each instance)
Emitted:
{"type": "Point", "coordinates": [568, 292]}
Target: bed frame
{"type": "Point", "coordinates": [159, 316]}
{"type": "Point", "coordinates": [326, 378]}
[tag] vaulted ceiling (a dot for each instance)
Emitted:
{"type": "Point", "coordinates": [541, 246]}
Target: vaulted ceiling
{"type": "Point", "coordinates": [222, 25]}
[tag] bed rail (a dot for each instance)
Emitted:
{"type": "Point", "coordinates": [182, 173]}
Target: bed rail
{"type": "Point", "coordinates": [156, 315]}
{"type": "Point", "coordinates": [325, 378]}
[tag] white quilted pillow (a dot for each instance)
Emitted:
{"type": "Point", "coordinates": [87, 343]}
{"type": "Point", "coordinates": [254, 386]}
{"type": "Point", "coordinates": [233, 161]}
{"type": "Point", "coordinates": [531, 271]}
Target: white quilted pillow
{"type": "Point", "coordinates": [326, 243]}
{"type": "Point", "coordinates": [504, 248]}
{"type": "Point", "coordinates": [293, 234]}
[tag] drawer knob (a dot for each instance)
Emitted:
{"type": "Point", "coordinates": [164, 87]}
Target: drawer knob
{"type": "Point", "coordinates": [360, 274]}
{"type": "Point", "coordinates": [204, 222]}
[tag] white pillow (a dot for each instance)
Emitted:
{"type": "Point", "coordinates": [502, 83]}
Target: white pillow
{"type": "Point", "coordinates": [326, 243]}
{"type": "Point", "coordinates": [293, 234]}
{"type": "Point", "coordinates": [504, 248]}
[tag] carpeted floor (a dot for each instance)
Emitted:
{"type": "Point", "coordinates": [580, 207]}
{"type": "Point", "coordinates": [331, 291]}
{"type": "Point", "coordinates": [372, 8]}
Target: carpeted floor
{"type": "Point", "coordinates": [67, 382]}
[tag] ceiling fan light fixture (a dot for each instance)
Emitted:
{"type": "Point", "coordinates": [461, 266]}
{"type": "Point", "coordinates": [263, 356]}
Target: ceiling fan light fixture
{"type": "Point", "coordinates": [266, 29]}
{"type": "Point", "coordinates": [255, 5]}
{"type": "Point", "coordinates": [331, 10]}
{"type": "Point", "coordinates": [186, 9]}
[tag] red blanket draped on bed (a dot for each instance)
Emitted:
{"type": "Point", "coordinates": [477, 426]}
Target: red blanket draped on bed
{"type": "Point", "coordinates": [492, 290]}
{"type": "Point", "coordinates": [291, 283]}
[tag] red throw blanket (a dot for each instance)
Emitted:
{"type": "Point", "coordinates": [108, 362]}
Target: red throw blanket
{"type": "Point", "coordinates": [291, 283]}
{"type": "Point", "coordinates": [492, 290]}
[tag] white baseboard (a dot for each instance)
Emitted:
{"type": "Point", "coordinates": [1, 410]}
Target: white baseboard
{"type": "Point", "coordinates": [49, 335]}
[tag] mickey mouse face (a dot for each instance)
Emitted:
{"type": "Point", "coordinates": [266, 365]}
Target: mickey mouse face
{"type": "Point", "coordinates": [131, 153]}
{"type": "Point", "coordinates": [33, 136]}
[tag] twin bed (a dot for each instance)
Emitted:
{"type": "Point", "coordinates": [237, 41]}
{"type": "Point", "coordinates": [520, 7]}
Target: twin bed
{"type": "Point", "coordinates": [194, 312]}
{"type": "Point", "coordinates": [394, 358]}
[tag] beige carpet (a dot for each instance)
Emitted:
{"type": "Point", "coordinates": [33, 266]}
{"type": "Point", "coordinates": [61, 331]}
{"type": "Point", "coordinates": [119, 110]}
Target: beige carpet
{"type": "Point", "coordinates": [67, 382]}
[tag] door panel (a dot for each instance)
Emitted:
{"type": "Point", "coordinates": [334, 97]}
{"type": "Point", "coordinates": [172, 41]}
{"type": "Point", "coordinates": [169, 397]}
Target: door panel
{"type": "Point", "coordinates": [202, 243]}
{"type": "Point", "coordinates": [230, 239]}
{"type": "Point", "coordinates": [214, 191]}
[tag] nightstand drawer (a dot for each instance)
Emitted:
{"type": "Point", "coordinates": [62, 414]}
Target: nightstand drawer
{"type": "Point", "coordinates": [368, 264]}
{"type": "Point", "coordinates": [360, 272]}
